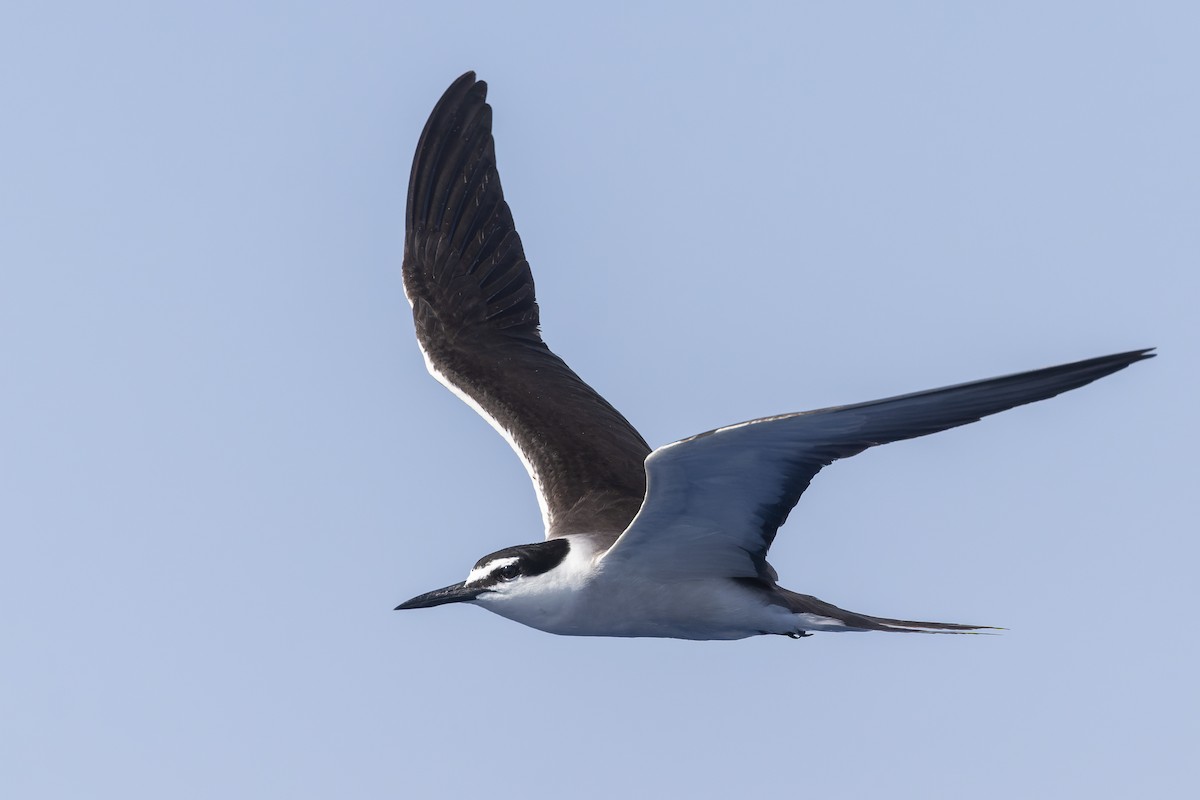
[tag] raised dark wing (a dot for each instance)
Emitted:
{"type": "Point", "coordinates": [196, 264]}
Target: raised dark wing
{"type": "Point", "coordinates": [476, 319]}
{"type": "Point", "coordinates": [715, 500]}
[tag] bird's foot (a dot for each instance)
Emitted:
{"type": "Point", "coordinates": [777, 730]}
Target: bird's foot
{"type": "Point", "coordinates": [798, 635]}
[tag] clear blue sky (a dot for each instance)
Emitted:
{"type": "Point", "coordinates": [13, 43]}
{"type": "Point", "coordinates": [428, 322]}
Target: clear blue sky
{"type": "Point", "coordinates": [222, 462]}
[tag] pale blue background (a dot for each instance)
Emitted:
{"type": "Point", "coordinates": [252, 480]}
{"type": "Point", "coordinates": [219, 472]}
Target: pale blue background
{"type": "Point", "coordinates": [223, 463]}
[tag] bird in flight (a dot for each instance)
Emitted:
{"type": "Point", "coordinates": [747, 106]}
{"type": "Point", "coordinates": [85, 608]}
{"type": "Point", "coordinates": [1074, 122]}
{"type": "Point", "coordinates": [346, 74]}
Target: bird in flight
{"type": "Point", "coordinates": [669, 542]}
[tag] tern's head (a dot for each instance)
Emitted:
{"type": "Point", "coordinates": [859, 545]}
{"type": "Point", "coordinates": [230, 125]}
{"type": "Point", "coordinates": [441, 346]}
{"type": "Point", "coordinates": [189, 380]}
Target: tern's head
{"type": "Point", "coordinates": [510, 573]}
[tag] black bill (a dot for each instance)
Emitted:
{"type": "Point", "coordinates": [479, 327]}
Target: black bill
{"type": "Point", "coordinates": [457, 593]}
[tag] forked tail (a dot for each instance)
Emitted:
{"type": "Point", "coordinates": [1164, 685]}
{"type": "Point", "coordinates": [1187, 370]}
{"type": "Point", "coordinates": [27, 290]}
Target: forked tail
{"type": "Point", "coordinates": [807, 604]}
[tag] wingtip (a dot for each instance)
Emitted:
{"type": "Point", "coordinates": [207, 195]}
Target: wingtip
{"type": "Point", "coordinates": [456, 95]}
{"type": "Point", "coordinates": [1106, 365]}
{"type": "Point", "coordinates": [1122, 360]}
{"type": "Point", "coordinates": [1140, 353]}
{"type": "Point", "coordinates": [466, 79]}
{"type": "Point", "coordinates": [466, 83]}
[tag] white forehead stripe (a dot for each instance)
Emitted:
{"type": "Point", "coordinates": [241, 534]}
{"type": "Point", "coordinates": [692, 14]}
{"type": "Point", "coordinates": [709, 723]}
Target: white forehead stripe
{"type": "Point", "coordinates": [482, 572]}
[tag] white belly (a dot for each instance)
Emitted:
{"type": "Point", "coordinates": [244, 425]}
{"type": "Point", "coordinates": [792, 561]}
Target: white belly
{"type": "Point", "coordinates": [714, 608]}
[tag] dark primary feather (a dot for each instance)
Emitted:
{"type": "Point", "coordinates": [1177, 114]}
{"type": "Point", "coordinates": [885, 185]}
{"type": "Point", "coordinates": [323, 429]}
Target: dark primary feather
{"type": "Point", "coordinates": [721, 496]}
{"type": "Point", "coordinates": [852, 429]}
{"type": "Point", "coordinates": [848, 430]}
{"type": "Point", "coordinates": [476, 319]}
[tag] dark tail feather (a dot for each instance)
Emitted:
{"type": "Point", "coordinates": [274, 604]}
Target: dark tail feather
{"type": "Point", "coordinates": [807, 604]}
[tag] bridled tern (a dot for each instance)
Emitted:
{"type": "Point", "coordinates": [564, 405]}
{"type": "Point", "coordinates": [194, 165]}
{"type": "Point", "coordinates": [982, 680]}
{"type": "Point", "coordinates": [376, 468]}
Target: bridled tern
{"type": "Point", "coordinates": [671, 542]}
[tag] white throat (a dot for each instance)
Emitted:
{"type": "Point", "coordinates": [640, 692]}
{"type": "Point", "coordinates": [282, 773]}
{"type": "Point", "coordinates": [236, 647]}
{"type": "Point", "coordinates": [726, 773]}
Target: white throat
{"type": "Point", "coordinates": [551, 600]}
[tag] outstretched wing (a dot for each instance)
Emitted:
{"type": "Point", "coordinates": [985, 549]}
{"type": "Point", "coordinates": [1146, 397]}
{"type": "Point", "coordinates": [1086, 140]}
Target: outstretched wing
{"type": "Point", "coordinates": [476, 319]}
{"type": "Point", "coordinates": [715, 500]}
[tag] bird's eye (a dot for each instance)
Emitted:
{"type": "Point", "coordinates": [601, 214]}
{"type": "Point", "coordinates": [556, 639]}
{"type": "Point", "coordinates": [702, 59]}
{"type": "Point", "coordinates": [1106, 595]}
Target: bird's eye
{"type": "Point", "coordinates": [508, 572]}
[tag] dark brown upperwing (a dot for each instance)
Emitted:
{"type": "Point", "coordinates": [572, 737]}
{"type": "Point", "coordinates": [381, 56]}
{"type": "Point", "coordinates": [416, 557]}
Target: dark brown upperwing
{"type": "Point", "coordinates": [476, 320]}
